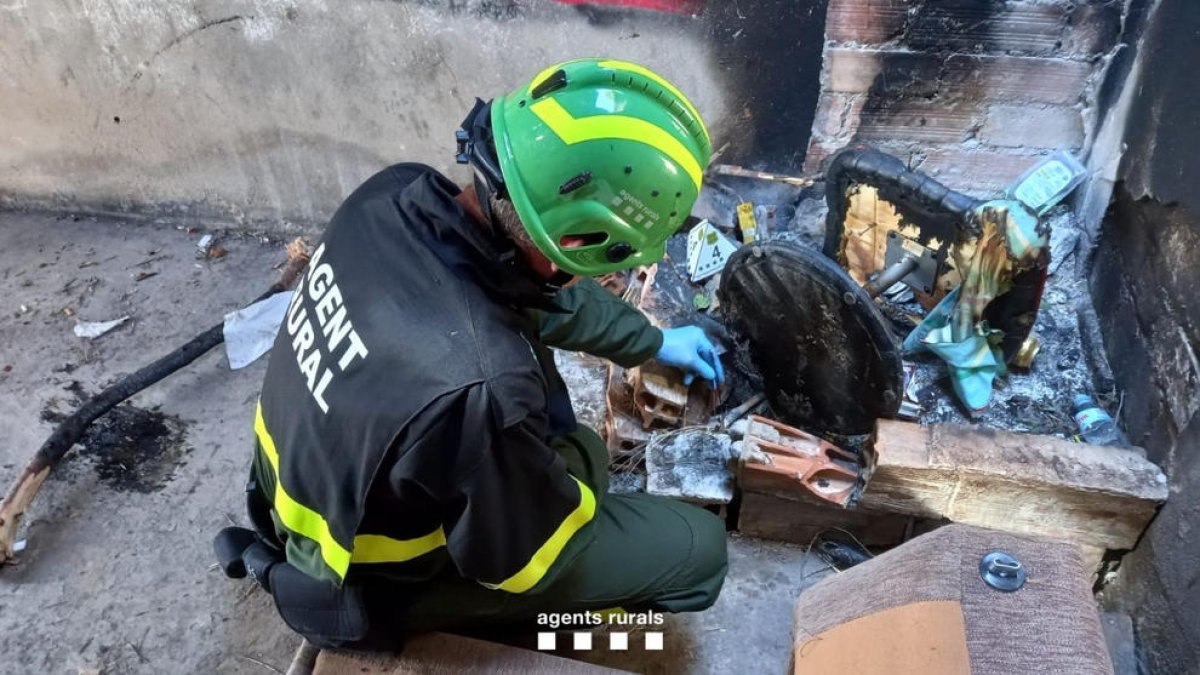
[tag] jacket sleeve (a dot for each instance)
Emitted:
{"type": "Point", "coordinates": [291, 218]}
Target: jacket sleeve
{"type": "Point", "coordinates": [514, 517]}
{"type": "Point", "coordinates": [601, 324]}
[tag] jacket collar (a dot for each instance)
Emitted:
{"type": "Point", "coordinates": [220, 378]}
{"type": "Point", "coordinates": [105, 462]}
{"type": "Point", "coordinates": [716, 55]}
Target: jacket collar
{"type": "Point", "coordinates": [490, 260]}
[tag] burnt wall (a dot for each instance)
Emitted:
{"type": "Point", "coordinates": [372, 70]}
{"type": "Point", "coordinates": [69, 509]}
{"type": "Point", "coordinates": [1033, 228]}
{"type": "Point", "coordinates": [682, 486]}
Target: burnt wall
{"type": "Point", "coordinates": [970, 91]}
{"type": "Point", "coordinates": [1146, 287]}
{"type": "Point", "coordinates": [769, 54]}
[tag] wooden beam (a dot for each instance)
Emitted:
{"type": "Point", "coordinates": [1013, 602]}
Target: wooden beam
{"type": "Point", "coordinates": [1093, 495]}
{"type": "Point", "coordinates": [799, 521]}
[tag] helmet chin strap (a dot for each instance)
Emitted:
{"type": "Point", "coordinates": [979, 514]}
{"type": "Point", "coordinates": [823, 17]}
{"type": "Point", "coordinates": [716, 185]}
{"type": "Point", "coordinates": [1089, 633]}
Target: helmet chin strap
{"type": "Point", "coordinates": [477, 148]}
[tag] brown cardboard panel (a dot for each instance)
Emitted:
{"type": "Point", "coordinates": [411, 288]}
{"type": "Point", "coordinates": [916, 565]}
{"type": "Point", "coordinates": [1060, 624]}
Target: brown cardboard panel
{"type": "Point", "coordinates": [922, 638]}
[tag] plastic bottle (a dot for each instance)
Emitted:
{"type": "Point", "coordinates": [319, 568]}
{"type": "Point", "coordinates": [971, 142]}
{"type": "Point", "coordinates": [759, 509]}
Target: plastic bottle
{"type": "Point", "coordinates": [1095, 425]}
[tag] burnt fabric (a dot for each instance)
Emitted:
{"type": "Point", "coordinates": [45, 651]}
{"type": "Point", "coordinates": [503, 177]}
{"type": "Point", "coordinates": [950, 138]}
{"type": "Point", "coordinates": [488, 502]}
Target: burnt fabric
{"type": "Point", "coordinates": [1049, 625]}
{"type": "Point", "coordinates": [406, 419]}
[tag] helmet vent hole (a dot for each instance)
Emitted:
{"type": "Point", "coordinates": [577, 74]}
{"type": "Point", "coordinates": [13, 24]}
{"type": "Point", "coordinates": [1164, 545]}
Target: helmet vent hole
{"type": "Point", "coordinates": [556, 81]}
{"type": "Point", "coordinates": [654, 193]}
{"type": "Point", "coordinates": [674, 213]}
{"type": "Point", "coordinates": [628, 169]}
{"type": "Point", "coordinates": [575, 182]}
{"type": "Point", "coordinates": [581, 240]}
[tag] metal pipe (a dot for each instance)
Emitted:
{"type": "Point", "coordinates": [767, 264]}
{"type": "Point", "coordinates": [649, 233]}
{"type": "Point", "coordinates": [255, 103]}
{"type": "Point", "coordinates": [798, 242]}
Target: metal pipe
{"type": "Point", "coordinates": [899, 269]}
{"type": "Point", "coordinates": [740, 411]}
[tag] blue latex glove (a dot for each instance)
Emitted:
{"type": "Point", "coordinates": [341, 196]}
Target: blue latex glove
{"type": "Point", "coordinates": [689, 349]}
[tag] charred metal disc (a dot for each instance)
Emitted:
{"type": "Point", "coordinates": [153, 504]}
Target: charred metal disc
{"type": "Point", "coordinates": [827, 356]}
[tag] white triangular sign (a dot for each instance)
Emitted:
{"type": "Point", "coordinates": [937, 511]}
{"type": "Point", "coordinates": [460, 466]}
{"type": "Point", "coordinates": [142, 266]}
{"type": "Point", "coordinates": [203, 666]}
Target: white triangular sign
{"type": "Point", "coordinates": [707, 251]}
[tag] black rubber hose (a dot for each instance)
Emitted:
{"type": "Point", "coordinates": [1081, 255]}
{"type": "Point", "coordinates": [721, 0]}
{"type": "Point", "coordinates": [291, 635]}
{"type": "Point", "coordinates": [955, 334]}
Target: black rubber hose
{"type": "Point", "coordinates": [71, 429]}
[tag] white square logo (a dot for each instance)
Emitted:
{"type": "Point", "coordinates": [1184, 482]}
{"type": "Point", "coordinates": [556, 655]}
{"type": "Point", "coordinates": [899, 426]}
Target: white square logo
{"type": "Point", "coordinates": [654, 642]}
{"type": "Point", "coordinates": [546, 642]}
{"type": "Point", "coordinates": [618, 642]}
{"type": "Point", "coordinates": [583, 640]}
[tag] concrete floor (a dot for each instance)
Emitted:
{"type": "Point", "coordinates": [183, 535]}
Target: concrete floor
{"type": "Point", "coordinates": [118, 574]}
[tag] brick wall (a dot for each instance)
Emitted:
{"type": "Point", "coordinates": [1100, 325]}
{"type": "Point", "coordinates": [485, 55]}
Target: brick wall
{"type": "Point", "coordinates": [968, 90]}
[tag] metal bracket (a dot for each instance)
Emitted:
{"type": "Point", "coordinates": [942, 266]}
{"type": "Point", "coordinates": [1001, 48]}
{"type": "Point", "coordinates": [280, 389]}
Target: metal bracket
{"type": "Point", "coordinates": [924, 277]}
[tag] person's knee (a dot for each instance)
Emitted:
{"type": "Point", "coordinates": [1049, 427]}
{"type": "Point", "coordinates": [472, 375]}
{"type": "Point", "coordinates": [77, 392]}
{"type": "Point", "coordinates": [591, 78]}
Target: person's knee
{"type": "Point", "coordinates": [710, 556]}
{"type": "Point", "coordinates": [703, 573]}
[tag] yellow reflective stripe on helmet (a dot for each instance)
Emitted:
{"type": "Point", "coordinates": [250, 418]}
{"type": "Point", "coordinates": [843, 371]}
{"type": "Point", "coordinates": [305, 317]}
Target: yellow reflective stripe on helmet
{"type": "Point", "coordinates": [296, 516]}
{"type": "Point", "coordinates": [376, 548]}
{"type": "Point", "coordinates": [545, 556]}
{"type": "Point", "coordinates": [368, 548]}
{"type": "Point", "coordinates": [657, 79]}
{"type": "Point", "coordinates": [577, 130]}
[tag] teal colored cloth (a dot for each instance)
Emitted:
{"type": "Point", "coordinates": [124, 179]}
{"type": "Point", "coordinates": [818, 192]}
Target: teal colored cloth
{"type": "Point", "coordinates": [974, 362]}
{"type": "Point", "coordinates": [937, 317]}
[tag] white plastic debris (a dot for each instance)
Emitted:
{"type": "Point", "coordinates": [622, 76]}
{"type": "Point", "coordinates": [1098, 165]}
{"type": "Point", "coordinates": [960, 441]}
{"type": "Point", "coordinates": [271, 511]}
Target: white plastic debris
{"type": "Point", "coordinates": [94, 329]}
{"type": "Point", "coordinates": [707, 251]}
{"type": "Point", "coordinates": [205, 243]}
{"type": "Point", "coordinates": [19, 545]}
{"type": "Point", "coordinates": [250, 332]}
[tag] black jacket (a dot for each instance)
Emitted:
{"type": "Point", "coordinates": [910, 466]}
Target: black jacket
{"type": "Point", "coordinates": [408, 406]}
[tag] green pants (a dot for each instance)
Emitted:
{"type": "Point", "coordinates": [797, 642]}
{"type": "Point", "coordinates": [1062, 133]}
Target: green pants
{"type": "Point", "coordinates": [649, 553]}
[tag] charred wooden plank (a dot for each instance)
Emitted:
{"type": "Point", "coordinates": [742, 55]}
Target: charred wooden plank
{"type": "Point", "coordinates": [1093, 495]}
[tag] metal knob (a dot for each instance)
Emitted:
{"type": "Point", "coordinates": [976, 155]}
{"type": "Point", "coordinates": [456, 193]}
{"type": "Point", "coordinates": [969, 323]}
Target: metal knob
{"type": "Point", "coordinates": [1001, 571]}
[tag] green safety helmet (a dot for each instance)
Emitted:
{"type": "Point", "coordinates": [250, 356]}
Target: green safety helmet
{"type": "Point", "coordinates": [603, 149]}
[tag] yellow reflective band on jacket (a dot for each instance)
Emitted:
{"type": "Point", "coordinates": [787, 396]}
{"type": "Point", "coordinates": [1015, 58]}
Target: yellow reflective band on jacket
{"type": "Point", "coordinates": [376, 548]}
{"type": "Point", "coordinates": [368, 548]}
{"type": "Point", "coordinates": [545, 556]}
{"type": "Point", "coordinates": [577, 130]}
{"type": "Point", "coordinates": [657, 79]}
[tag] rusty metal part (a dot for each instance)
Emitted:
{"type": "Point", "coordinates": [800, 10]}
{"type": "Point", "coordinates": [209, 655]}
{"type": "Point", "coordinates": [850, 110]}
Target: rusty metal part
{"type": "Point", "coordinates": [778, 459]}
